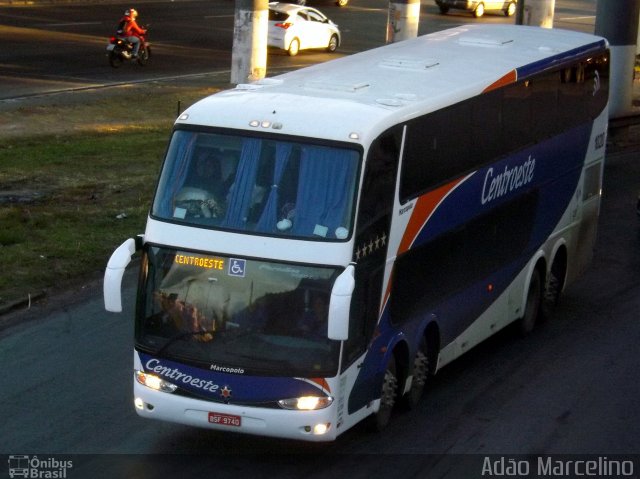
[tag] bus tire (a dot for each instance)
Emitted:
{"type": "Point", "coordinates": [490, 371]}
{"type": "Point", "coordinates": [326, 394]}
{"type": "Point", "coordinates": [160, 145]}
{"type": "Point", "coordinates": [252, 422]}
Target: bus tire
{"type": "Point", "coordinates": [532, 305]}
{"type": "Point", "coordinates": [388, 394]}
{"type": "Point", "coordinates": [554, 286]}
{"type": "Point", "coordinates": [420, 376]}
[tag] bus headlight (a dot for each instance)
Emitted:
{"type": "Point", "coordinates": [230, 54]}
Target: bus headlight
{"type": "Point", "coordinates": [155, 382]}
{"type": "Point", "coordinates": [306, 403]}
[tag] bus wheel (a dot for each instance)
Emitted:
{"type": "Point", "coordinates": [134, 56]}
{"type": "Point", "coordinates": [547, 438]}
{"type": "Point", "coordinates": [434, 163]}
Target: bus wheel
{"type": "Point", "coordinates": [479, 11]}
{"type": "Point", "coordinates": [388, 396]}
{"type": "Point", "coordinates": [532, 306]}
{"type": "Point", "coordinates": [420, 375]}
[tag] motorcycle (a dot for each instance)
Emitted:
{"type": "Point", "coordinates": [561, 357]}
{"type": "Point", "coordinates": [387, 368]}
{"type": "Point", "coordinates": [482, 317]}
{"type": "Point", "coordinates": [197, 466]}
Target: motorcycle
{"type": "Point", "coordinates": [119, 50]}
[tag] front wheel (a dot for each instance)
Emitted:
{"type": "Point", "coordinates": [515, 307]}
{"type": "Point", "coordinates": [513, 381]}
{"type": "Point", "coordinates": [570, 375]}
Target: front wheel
{"type": "Point", "coordinates": [420, 375]}
{"type": "Point", "coordinates": [144, 55]}
{"type": "Point", "coordinates": [115, 59]}
{"type": "Point", "coordinates": [294, 47]}
{"type": "Point", "coordinates": [333, 44]}
{"type": "Point", "coordinates": [388, 395]}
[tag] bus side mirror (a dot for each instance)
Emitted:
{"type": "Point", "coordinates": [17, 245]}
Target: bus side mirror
{"type": "Point", "coordinates": [340, 304]}
{"type": "Point", "coordinates": [112, 285]}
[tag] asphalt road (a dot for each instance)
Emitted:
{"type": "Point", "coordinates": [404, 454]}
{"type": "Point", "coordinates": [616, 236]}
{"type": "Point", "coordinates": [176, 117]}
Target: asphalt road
{"type": "Point", "coordinates": [571, 387]}
{"type": "Point", "coordinates": [51, 47]}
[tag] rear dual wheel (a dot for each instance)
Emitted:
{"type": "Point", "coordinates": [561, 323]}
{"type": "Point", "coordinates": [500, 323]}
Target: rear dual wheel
{"type": "Point", "coordinates": [532, 306]}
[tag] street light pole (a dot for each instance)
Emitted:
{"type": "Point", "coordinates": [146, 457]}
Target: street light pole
{"type": "Point", "coordinates": [249, 51]}
{"type": "Point", "coordinates": [537, 13]}
{"type": "Point", "coordinates": [403, 20]}
{"type": "Point", "coordinates": [618, 22]}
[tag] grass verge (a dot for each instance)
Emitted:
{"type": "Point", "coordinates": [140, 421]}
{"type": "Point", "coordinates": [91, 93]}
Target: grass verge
{"type": "Point", "coordinates": [76, 179]}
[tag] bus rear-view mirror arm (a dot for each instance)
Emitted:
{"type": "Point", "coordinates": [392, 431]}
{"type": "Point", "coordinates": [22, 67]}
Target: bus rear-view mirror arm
{"type": "Point", "coordinates": [340, 303]}
{"type": "Point", "coordinates": [112, 286]}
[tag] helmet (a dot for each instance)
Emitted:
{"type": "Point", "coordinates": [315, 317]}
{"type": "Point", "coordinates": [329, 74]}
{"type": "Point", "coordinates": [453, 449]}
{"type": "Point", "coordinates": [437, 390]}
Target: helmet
{"type": "Point", "coordinates": [131, 12]}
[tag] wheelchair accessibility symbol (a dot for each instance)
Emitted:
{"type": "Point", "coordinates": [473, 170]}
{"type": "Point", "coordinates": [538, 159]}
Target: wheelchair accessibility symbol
{"type": "Point", "coordinates": [237, 267]}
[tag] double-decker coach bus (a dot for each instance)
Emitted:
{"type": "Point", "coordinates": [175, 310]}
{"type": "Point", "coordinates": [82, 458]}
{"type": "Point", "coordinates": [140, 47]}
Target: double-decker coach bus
{"type": "Point", "coordinates": [323, 241]}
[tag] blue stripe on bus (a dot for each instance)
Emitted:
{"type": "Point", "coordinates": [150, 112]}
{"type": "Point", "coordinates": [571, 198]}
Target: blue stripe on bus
{"type": "Point", "coordinates": [560, 59]}
{"type": "Point", "coordinates": [556, 181]}
{"type": "Point", "coordinates": [236, 388]}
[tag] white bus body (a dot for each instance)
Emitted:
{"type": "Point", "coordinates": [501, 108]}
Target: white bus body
{"type": "Point", "coordinates": [354, 226]}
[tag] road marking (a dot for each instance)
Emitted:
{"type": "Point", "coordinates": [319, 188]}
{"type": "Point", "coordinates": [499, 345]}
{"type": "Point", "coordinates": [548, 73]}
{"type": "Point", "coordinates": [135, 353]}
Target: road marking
{"type": "Point", "coordinates": [590, 17]}
{"type": "Point", "coordinates": [71, 24]}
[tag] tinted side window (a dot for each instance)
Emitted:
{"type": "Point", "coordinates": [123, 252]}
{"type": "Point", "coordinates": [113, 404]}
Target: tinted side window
{"type": "Point", "coordinates": [372, 232]}
{"type": "Point", "coordinates": [437, 147]}
{"type": "Point", "coordinates": [456, 260]}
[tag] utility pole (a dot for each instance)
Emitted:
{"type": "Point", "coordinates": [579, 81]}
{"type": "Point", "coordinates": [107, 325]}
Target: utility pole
{"type": "Point", "coordinates": [618, 22]}
{"type": "Point", "coordinates": [249, 51]}
{"type": "Point", "coordinates": [403, 20]}
{"type": "Point", "coordinates": [537, 13]}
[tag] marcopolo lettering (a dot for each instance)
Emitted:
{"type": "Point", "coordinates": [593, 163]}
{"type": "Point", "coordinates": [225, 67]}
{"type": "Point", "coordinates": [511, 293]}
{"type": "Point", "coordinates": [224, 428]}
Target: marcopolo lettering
{"type": "Point", "coordinates": [497, 185]}
{"type": "Point", "coordinates": [176, 376]}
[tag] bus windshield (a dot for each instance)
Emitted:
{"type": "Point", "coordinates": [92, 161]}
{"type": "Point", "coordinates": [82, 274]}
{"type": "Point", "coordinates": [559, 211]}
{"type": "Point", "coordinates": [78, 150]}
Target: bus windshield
{"type": "Point", "coordinates": [261, 185]}
{"type": "Point", "coordinates": [237, 314]}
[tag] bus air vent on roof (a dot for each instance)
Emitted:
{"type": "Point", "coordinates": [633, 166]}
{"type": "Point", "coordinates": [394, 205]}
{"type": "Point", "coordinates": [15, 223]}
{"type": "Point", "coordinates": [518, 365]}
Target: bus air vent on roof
{"type": "Point", "coordinates": [484, 40]}
{"type": "Point", "coordinates": [259, 84]}
{"type": "Point", "coordinates": [329, 85]}
{"type": "Point", "coordinates": [416, 64]}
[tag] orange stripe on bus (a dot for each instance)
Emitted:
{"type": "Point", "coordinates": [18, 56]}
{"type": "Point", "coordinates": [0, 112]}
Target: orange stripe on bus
{"type": "Point", "coordinates": [424, 208]}
{"type": "Point", "coordinates": [510, 77]}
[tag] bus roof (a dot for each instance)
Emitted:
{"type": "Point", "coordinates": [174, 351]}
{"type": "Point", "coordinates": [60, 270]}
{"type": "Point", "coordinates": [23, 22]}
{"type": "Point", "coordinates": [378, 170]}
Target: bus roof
{"type": "Point", "coordinates": [368, 92]}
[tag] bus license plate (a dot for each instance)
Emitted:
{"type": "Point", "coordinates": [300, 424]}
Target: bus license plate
{"type": "Point", "coordinates": [224, 419]}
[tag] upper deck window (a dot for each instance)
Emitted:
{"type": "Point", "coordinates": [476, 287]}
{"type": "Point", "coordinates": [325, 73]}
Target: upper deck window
{"type": "Point", "coordinates": [266, 186]}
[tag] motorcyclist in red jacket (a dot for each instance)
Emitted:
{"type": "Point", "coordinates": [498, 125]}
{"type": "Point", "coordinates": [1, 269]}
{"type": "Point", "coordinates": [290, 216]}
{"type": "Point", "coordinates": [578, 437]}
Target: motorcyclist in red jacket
{"type": "Point", "coordinates": [129, 29]}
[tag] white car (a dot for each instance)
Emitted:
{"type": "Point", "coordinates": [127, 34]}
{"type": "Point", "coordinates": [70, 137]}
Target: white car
{"type": "Point", "coordinates": [297, 27]}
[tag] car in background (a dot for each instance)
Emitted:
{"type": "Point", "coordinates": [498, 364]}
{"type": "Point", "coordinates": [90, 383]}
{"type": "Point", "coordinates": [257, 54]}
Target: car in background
{"type": "Point", "coordinates": [478, 7]}
{"type": "Point", "coordinates": [297, 27]}
{"type": "Point", "coordinates": [340, 3]}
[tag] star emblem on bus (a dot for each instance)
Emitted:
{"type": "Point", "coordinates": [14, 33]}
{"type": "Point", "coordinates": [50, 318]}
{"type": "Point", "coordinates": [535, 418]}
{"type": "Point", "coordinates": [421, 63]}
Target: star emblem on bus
{"type": "Point", "coordinates": [225, 392]}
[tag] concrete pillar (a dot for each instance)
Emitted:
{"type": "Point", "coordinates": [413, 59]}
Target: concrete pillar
{"type": "Point", "coordinates": [537, 13]}
{"type": "Point", "coordinates": [249, 51]}
{"type": "Point", "coordinates": [618, 22]}
{"type": "Point", "coordinates": [403, 20]}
